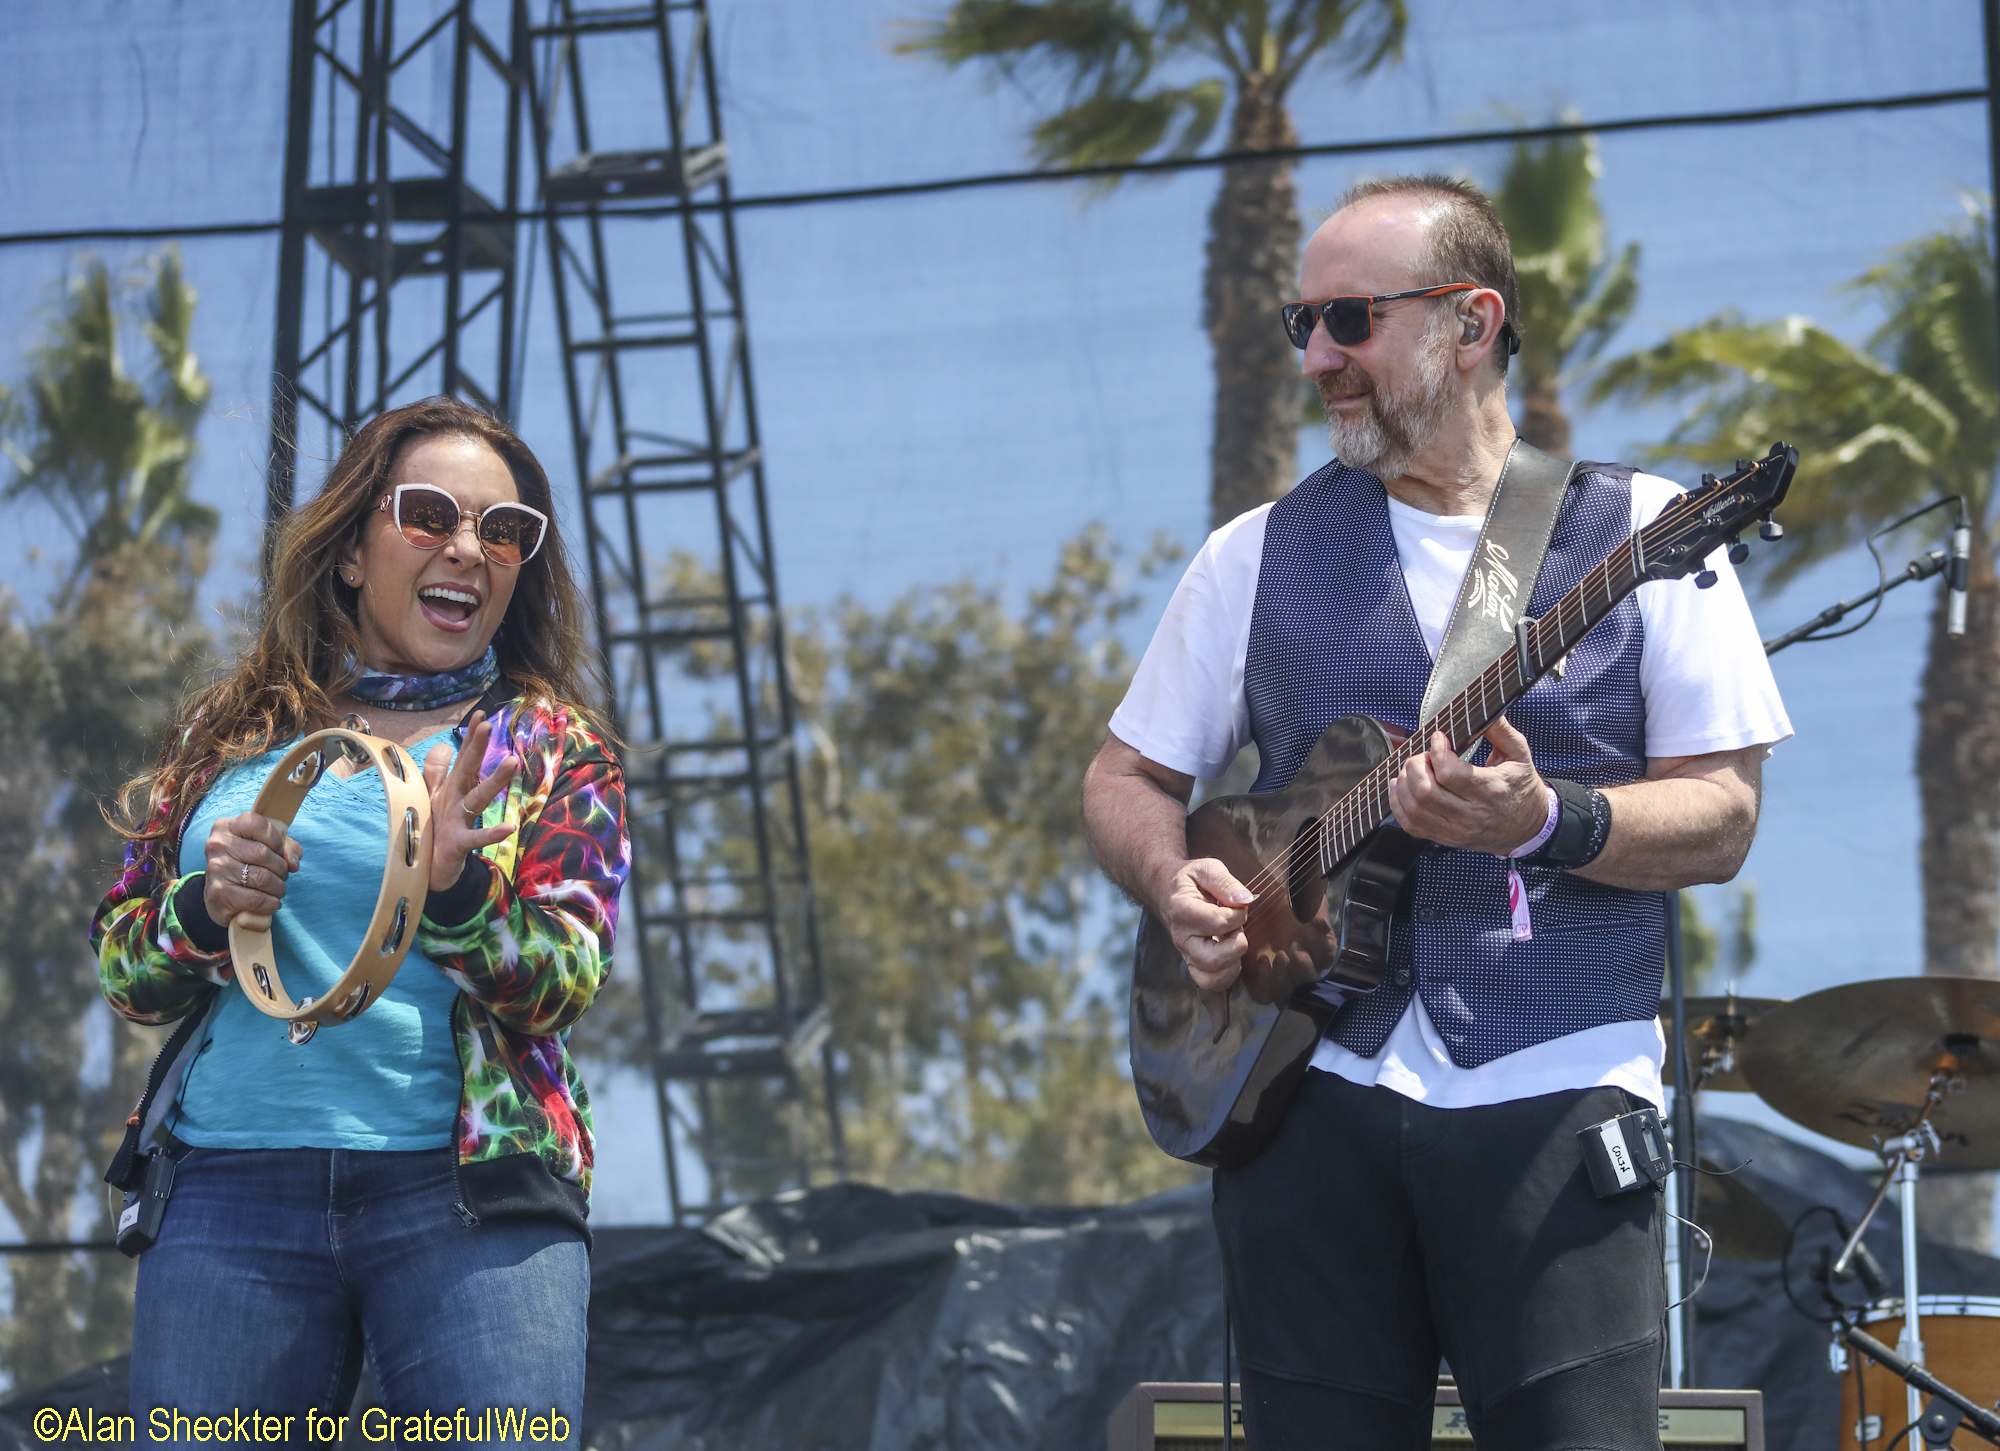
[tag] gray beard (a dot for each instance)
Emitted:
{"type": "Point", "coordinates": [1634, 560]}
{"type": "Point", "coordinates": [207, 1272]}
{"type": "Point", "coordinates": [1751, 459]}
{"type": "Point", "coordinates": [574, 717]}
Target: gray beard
{"type": "Point", "coordinates": [1398, 426]}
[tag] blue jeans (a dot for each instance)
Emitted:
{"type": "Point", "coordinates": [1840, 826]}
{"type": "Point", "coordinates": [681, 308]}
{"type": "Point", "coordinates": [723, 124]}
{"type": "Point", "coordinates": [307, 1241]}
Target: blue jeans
{"type": "Point", "coordinates": [277, 1269]}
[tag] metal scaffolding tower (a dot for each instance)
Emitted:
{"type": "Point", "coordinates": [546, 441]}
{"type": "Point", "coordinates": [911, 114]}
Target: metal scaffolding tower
{"type": "Point", "coordinates": [402, 167]}
{"type": "Point", "coordinates": [404, 172]}
{"type": "Point", "coordinates": [634, 184]}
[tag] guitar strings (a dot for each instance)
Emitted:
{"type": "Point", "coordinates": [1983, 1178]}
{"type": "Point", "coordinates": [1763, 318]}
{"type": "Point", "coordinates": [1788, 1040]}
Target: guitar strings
{"type": "Point", "coordinates": [1348, 818]}
{"type": "Point", "coordinates": [1365, 806]}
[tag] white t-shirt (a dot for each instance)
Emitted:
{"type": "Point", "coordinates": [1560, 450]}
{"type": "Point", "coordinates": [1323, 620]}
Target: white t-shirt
{"type": "Point", "coordinates": [1702, 672]}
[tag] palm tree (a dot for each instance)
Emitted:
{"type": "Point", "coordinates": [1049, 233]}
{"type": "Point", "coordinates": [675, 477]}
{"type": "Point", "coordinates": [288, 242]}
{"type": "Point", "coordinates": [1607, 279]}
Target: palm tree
{"type": "Point", "coordinates": [1573, 296]}
{"type": "Point", "coordinates": [1912, 415]}
{"type": "Point", "coordinates": [84, 693]}
{"type": "Point", "coordinates": [1101, 60]}
{"type": "Point", "coordinates": [107, 452]}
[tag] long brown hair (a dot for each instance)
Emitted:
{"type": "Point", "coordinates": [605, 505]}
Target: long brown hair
{"type": "Point", "coordinates": [283, 686]}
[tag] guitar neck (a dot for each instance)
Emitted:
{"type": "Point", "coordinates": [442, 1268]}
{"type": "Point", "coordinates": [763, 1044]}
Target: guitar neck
{"type": "Point", "coordinates": [1538, 645]}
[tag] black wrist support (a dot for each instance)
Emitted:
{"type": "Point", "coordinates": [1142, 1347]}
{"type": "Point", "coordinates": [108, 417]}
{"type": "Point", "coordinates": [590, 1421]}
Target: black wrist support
{"type": "Point", "coordinates": [1581, 828]}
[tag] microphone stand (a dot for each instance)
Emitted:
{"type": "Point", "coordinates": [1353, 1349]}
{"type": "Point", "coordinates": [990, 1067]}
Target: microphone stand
{"type": "Point", "coordinates": [1938, 1421]}
{"type": "Point", "coordinates": [1927, 567]}
{"type": "Point", "coordinates": [1683, 1135]}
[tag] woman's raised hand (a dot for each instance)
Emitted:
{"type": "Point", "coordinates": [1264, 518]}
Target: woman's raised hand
{"type": "Point", "coordinates": [458, 796]}
{"type": "Point", "coordinates": [247, 860]}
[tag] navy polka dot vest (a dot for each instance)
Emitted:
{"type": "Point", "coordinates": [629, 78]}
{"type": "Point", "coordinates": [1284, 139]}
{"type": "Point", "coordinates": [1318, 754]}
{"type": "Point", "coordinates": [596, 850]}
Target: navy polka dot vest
{"type": "Point", "coordinates": [1332, 633]}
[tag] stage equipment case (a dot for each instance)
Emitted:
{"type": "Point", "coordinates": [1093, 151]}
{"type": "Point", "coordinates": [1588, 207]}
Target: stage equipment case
{"type": "Point", "coordinates": [1187, 1416]}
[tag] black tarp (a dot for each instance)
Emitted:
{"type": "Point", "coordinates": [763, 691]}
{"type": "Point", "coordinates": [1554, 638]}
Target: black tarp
{"type": "Point", "coordinates": [853, 1319]}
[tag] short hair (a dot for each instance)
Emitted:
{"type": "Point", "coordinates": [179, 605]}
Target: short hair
{"type": "Point", "coordinates": [1467, 242]}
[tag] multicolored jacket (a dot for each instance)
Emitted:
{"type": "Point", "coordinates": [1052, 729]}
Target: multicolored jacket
{"type": "Point", "coordinates": [525, 934]}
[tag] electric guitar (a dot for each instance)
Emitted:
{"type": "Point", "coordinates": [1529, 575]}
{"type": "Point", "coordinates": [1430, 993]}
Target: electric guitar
{"type": "Point", "coordinates": [1215, 1072]}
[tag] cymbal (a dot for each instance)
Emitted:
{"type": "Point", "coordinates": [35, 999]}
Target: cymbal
{"type": "Point", "coordinates": [1744, 1227]}
{"type": "Point", "coordinates": [1715, 1032]}
{"type": "Point", "coordinates": [1854, 1062]}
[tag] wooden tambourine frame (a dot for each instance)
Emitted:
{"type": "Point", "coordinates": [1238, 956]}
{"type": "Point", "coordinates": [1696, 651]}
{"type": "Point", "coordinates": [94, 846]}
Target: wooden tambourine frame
{"type": "Point", "coordinates": [398, 906]}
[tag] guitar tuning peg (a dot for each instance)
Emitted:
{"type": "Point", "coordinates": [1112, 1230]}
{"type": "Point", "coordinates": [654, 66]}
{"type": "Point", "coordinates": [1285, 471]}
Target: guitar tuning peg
{"type": "Point", "coordinates": [1708, 481]}
{"type": "Point", "coordinates": [1743, 466]}
{"type": "Point", "coordinates": [1705, 580]}
{"type": "Point", "coordinates": [1738, 551]}
{"type": "Point", "coordinates": [1770, 531]}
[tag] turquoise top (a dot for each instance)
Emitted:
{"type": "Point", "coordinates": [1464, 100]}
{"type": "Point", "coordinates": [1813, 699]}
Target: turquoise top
{"type": "Point", "coordinates": [387, 1080]}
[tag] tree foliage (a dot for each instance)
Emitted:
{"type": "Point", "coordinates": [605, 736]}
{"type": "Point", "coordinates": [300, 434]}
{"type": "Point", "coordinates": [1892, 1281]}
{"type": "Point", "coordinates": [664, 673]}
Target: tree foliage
{"type": "Point", "coordinates": [975, 958]}
{"type": "Point", "coordinates": [1574, 294]}
{"type": "Point", "coordinates": [1714, 956]}
{"type": "Point", "coordinates": [1879, 427]}
{"type": "Point", "coordinates": [1912, 414]}
{"type": "Point", "coordinates": [1106, 61]}
{"type": "Point", "coordinates": [85, 688]}
{"type": "Point", "coordinates": [976, 961]}
{"type": "Point", "coordinates": [108, 451]}
{"type": "Point", "coordinates": [1119, 81]}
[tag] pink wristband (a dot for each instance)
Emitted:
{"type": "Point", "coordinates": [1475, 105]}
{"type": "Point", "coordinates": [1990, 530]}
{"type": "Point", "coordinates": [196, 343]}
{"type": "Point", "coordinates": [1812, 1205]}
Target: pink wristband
{"type": "Point", "coordinates": [1534, 842]}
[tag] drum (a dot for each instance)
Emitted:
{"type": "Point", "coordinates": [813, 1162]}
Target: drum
{"type": "Point", "coordinates": [1961, 1348]}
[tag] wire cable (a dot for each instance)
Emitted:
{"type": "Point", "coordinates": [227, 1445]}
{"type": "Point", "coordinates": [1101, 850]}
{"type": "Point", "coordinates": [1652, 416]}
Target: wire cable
{"type": "Point", "coordinates": [1708, 1259]}
{"type": "Point", "coordinates": [1841, 1309]}
{"type": "Point", "coordinates": [1713, 1173]}
{"type": "Point", "coordinates": [1164, 166]}
{"type": "Point", "coordinates": [1881, 568]}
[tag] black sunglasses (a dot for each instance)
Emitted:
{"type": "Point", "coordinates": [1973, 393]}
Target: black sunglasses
{"type": "Point", "coordinates": [1350, 321]}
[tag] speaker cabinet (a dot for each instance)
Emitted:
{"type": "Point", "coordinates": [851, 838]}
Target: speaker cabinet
{"type": "Point", "coordinates": [1187, 1416]}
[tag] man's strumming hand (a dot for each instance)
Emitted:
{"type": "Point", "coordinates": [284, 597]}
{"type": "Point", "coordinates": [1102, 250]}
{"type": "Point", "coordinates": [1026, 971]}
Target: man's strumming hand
{"type": "Point", "coordinates": [1204, 909]}
{"type": "Point", "coordinates": [1491, 808]}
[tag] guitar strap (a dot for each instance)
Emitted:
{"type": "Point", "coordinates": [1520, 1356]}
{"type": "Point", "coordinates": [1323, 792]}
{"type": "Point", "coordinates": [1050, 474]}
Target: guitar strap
{"type": "Point", "coordinates": [1501, 578]}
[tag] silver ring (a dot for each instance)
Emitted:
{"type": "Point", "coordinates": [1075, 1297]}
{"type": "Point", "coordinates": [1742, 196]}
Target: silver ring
{"type": "Point", "coordinates": [471, 821]}
{"type": "Point", "coordinates": [246, 874]}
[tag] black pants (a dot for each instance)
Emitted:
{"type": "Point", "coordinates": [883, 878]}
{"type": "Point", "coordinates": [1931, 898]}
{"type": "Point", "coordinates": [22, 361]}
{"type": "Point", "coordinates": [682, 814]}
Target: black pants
{"type": "Point", "coordinates": [1376, 1233]}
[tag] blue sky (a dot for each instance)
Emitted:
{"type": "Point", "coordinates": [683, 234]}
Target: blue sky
{"type": "Point", "coordinates": [953, 385]}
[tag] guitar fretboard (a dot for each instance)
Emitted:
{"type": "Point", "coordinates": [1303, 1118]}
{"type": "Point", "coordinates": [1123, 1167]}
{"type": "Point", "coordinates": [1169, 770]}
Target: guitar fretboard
{"type": "Point", "coordinates": [1538, 645]}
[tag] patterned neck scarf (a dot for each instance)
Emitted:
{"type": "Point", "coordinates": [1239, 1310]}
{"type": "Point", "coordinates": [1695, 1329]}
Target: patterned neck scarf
{"type": "Point", "coordinates": [427, 692]}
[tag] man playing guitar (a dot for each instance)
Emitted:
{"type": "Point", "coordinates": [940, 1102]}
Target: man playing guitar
{"type": "Point", "coordinates": [1426, 1192]}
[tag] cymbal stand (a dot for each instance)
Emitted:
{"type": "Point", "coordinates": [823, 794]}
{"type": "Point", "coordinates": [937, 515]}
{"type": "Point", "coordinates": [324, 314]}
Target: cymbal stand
{"type": "Point", "coordinates": [1900, 1157]}
{"type": "Point", "coordinates": [1718, 1054]}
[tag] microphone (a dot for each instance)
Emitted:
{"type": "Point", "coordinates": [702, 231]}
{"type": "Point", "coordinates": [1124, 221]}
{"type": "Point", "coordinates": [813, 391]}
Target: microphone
{"type": "Point", "coordinates": [1956, 580]}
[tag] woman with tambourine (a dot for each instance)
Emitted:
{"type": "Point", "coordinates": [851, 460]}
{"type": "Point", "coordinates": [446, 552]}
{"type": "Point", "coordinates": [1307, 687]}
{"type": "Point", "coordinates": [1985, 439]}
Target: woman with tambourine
{"type": "Point", "coordinates": [408, 1182]}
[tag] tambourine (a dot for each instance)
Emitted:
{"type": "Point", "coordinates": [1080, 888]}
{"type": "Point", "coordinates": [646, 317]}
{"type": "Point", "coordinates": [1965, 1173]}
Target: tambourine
{"type": "Point", "coordinates": [406, 879]}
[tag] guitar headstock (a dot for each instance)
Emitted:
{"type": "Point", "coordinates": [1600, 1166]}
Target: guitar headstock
{"type": "Point", "coordinates": [1694, 525]}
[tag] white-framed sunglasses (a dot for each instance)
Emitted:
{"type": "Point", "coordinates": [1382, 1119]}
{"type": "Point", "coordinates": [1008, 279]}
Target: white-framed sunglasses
{"type": "Point", "coordinates": [430, 518]}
